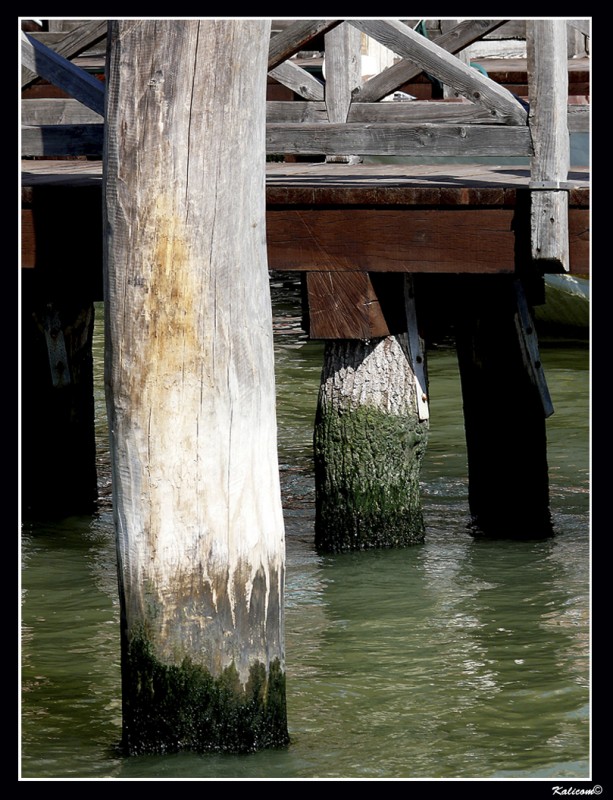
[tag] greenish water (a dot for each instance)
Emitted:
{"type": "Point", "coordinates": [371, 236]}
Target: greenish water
{"type": "Point", "coordinates": [459, 658]}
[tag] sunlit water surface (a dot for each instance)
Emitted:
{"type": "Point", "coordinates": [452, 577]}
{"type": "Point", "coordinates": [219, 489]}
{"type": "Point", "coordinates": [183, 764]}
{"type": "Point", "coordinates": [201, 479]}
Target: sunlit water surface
{"type": "Point", "coordinates": [458, 658]}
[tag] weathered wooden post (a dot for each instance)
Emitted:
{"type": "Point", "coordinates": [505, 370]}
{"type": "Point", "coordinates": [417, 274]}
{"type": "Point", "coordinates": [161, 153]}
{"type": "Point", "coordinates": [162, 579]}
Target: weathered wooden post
{"type": "Point", "coordinates": [369, 441]}
{"type": "Point", "coordinates": [506, 401]}
{"type": "Point", "coordinates": [546, 44]}
{"type": "Point", "coordinates": [190, 387]}
{"type": "Point", "coordinates": [343, 75]}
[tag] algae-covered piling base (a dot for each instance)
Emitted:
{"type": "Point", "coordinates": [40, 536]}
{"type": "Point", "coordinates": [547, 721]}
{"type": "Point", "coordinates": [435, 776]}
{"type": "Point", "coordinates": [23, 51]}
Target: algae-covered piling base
{"type": "Point", "coordinates": [369, 443]}
{"type": "Point", "coordinates": [168, 708]}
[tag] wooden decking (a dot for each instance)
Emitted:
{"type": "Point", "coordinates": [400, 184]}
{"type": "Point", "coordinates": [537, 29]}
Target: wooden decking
{"type": "Point", "coordinates": [445, 218]}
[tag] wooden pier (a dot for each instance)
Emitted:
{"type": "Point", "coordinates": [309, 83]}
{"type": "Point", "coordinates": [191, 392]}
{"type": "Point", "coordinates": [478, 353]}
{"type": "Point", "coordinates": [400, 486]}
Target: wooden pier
{"type": "Point", "coordinates": [421, 191]}
{"type": "Point", "coordinates": [353, 227]}
{"type": "Point", "coordinates": [335, 223]}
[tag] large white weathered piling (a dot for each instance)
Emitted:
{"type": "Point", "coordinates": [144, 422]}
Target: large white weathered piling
{"type": "Point", "coordinates": [190, 386]}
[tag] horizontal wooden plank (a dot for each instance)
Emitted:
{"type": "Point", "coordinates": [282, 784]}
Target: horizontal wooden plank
{"type": "Point", "coordinates": [392, 240]}
{"type": "Point", "coordinates": [477, 241]}
{"type": "Point", "coordinates": [391, 139]}
{"type": "Point", "coordinates": [282, 111]}
{"type": "Point", "coordinates": [61, 230]}
{"type": "Point", "coordinates": [416, 112]}
{"type": "Point", "coordinates": [62, 140]}
{"type": "Point", "coordinates": [66, 111]}
{"type": "Point", "coordinates": [579, 118]}
{"type": "Point", "coordinates": [515, 70]}
{"type": "Point", "coordinates": [57, 111]}
{"type": "Point", "coordinates": [385, 184]}
{"type": "Point", "coordinates": [409, 112]}
{"type": "Point", "coordinates": [399, 139]}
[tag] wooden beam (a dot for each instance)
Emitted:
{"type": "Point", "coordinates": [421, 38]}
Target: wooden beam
{"type": "Point", "coordinates": [199, 522]}
{"type": "Point", "coordinates": [412, 112]}
{"type": "Point", "coordinates": [71, 44]}
{"type": "Point", "coordinates": [343, 70]}
{"type": "Point", "coordinates": [62, 140]}
{"type": "Point", "coordinates": [361, 239]}
{"type": "Point", "coordinates": [578, 118]}
{"type": "Point", "coordinates": [327, 217]}
{"type": "Point", "coordinates": [395, 76]}
{"type": "Point", "coordinates": [343, 76]}
{"type": "Point", "coordinates": [60, 72]}
{"type": "Point", "coordinates": [438, 62]}
{"type": "Point", "coordinates": [503, 415]}
{"type": "Point", "coordinates": [417, 353]}
{"type": "Point", "coordinates": [293, 39]}
{"type": "Point", "coordinates": [368, 446]}
{"type": "Point", "coordinates": [298, 80]}
{"type": "Point", "coordinates": [528, 343]}
{"type": "Point", "coordinates": [420, 111]}
{"type": "Point", "coordinates": [56, 111]}
{"type": "Point", "coordinates": [42, 248]}
{"type": "Point", "coordinates": [58, 437]}
{"type": "Point", "coordinates": [388, 128]}
{"type": "Point", "coordinates": [281, 111]}
{"type": "Point", "coordinates": [344, 305]}
{"type": "Point", "coordinates": [399, 139]}
{"type": "Point", "coordinates": [548, 92]}
{"type": "Point", "coordinates": [312, 138]}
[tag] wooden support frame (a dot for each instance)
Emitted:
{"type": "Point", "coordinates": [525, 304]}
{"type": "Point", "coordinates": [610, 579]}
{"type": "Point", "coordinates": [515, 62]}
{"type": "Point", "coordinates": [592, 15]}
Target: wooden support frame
{"type": "Point", "coordinates": [43, 61]}
{"type": "Point", "coordinates": [453, 41]}
{"type": "Point", "coordinates": [73, 43]}
{"type": "Point", "coordinates": [444, 66]}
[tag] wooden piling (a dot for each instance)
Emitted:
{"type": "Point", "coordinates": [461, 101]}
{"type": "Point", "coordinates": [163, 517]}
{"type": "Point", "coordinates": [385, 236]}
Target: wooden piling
{"type": "Point", "coordinates": [505, 408]}
{"type": "Point", "coordinates": [371, 431]}
{"type": "Point", "coordinates": [190, 387]}
{"type": "Point", "coordinates": [58, 441]}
